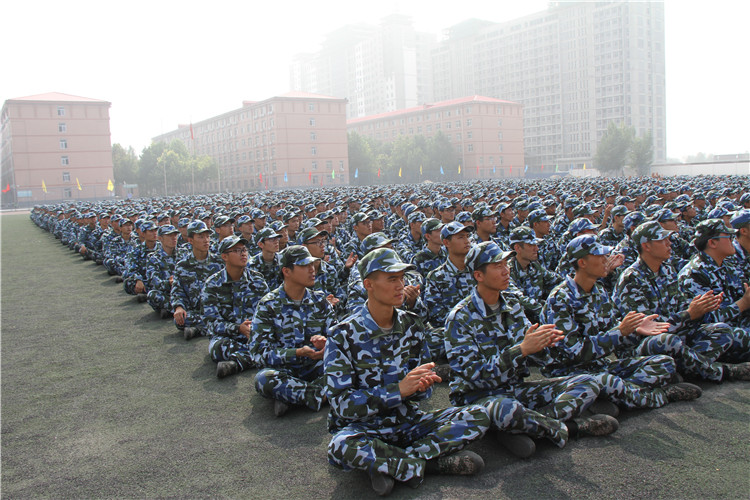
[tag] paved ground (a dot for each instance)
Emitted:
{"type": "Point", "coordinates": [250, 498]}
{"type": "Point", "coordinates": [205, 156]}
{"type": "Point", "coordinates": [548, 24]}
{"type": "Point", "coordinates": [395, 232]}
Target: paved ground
{"type": "Point", "coordinates": [101, 399]}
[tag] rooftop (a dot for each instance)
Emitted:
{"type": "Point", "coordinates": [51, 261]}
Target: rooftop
{"type": "Point", "coordinates": [424, 107]}
{"type": "Point", "coordinates": [56, 97]}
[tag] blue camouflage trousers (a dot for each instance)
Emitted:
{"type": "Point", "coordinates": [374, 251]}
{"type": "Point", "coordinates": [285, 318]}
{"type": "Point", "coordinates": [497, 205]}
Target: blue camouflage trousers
{"type": "Point", "coordinates": [109, 264]}
{"type": "Point", "coordinates": [226, 349]}
{"type": "Point", "coordinates": [636, 382]}
{"type": "Point", "coordinates": [540, 408]}
{"type": "Point", "coordinates": [694, 350]}
{"type": "Point", "coordinates": [297, 386]}
{"type": "Point", "coordinates": [158, 300]}
{"type": "Point", "coordinates": [402, 450]}
{"type": "Point", "coordinates": [740, 350]}
{"type": "Point", "coordinates": [194, 319]}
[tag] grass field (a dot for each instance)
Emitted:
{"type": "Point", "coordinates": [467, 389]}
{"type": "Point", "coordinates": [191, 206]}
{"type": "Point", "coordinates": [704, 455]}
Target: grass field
{"type": "Point", "coordinates": [101, 399]}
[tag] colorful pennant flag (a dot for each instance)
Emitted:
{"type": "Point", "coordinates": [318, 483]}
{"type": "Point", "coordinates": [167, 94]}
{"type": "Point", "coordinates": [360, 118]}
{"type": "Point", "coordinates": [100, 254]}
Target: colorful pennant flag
{"type": "Point", "coordinates": [526, 169]}
{"type": "Point", "coordinates": [44, 186]}
{"type": "Point", "coordinates": [285, 178]}
{"type": "Point", "coordinates": [110, 186]}
{"type": "Point", "coordinates": [356, 173]}
{"type": "Point", "coordinates": [333, 174]}
{"type": "Point", "coordinates": [309, 176]}
{"type": "Point", "coordinates": [441, 170]}
{"type": "Point", "coordinates": [399, 172]}
{"type": "Point", "coordinates": [584, 166]}
{"type": "Point", "coordinates": [459, 168]}
{"type": "Point", "coordinates": [7, 188]}
{"type": "Point", "coordinates": [420, 170]}
{"type": "Point", "coordinates": [260, 174]}
{"type": "Point", "coordinates": [79, 185]}
{"type": "Point", "coordinates": [191, 132]}
{"type": "Point", "coordinates": [378, 171]}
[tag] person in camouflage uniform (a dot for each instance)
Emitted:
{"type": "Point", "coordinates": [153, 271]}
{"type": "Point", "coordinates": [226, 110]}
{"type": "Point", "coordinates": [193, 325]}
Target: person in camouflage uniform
{"type": "Point", "coordinates": [489, 341]}
{"type": "Point", "coordinates": [289, 334]}
{"type": "Point", "coordinates": [410, 242]}
{"type": "Point", "coordinates": [583, 311]}
{"type": "Point", "coordinates": [134, 277]}
{"type": "Point", "coordinates": [650, 286]}
{"type": "Point", "coordinates": [266, 262]}
{"type": "Point", "coordinates": [434, 253]}
{"type": "Point", "coordinates": [189, 278]}
{"type": "Point", "coordinates": [615, 233]}
{"type": "Point", "coordinates": [681, 249]}
{"type": "Point", "coordinates": [707, 270]}
{"type": "Point", "coordinates": [326, 276]}
{"type": "Point", "coordinates": [120, 246]}
{"type": "Point", "coordinates": [377, 371]}
{"type": "Point", "coordinates": [361, 228]}
{"type": "Point", "coordinates": [741, 258]}
{"type": "Point", "coordinates": [451, 281]}
{"type": "Point", "coordinates": [534, 281]}
{"type": "Point", "coordinates": [549, 252]}
{"type": "Point", "coordinates": [229, 299]}
{"type": "Point", "coordinates": [107, 239]}
{"type": "Point", "coordinates": [160, 270]}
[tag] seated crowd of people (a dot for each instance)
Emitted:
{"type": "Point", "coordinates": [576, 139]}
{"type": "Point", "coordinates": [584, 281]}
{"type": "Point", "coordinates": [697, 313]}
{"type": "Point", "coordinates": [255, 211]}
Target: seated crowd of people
{"type": "Point", "coordinates": [619, 293]}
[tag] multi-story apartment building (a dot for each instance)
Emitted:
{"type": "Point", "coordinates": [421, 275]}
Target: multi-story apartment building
{"type": "Point", "coordinates": [55, 147]}
{"type": "Point", "coordinates": [376, 68]}
{"type": "Point", "coordinates": [575, 67]}
{"type": "Point", "coordinates": [487, 133]}
{"type": "Point", "coordinates": [289, 141]}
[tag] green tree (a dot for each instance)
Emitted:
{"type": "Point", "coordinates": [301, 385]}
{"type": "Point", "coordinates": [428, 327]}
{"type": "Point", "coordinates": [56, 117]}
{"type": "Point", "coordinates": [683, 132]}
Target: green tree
{"type": "Point", "coordinates": [125, 163]}
{"type": "Point", "coordinates": [441, 154]}
{"type": "Point", "coordinates": [642, 153]}
{"type": "Point", "coordinates": [361, 160]}
{"type": "Point", "coordinates": [612, 150]}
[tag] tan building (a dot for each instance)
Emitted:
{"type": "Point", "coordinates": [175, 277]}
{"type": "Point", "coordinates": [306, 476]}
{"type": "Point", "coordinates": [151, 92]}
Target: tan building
{"type": "Point", "coordinates": [57, 142]}
{"type": "Point", "coordinates": [486, 133]}
{"type": "Point", "coordinates": [295, 140]}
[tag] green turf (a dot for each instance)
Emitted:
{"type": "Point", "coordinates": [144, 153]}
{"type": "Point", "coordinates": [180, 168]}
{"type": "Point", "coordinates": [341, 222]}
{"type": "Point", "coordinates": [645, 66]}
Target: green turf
{"type": "Point", "coordinates": [101, 399]}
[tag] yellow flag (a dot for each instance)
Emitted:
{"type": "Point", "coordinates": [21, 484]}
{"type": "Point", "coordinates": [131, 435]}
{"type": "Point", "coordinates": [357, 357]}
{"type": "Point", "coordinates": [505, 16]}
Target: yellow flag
{"type": "Point", "coordinates": [420, 170]}
{"type": "Point", "coordinates": [459, 168]}
{"type": "Point", "coordinates": [584, 166]}
{"type": "Point", "coordinates": [79, 185]}
{"type": "Point", "coordinates": [44, 186]}
{"type": "Point", "coordinates": [399, 172]}
{"type": "Point", "coordinates": [110, 186]}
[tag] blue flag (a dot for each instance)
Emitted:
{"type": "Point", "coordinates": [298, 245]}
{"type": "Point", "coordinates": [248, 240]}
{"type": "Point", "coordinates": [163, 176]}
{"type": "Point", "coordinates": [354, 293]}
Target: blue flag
{"type": "Point", "coordinates": [441, 170]}
{"type": "Point", "coordinates": [356, 173]}
{"type": "Point", "coordinates": [285, 179]}
{"type": "Point", "coordinates": [493, 169]}
{"type": "Point", "coordinates": [526, 169]}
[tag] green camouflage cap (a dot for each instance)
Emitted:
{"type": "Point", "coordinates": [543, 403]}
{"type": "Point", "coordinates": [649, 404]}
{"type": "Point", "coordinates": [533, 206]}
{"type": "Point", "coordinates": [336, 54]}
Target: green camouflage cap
{"type": "Point", "coordinates": [267, 233]}
{"type": "Point", "coordinates": [649, 231]}
{"type": "Point", "coordinates": [711, 228]}
{"type": "Point", "coordinates": [431, 224]}
{"type": "Point", "coordinates": [296, 255]}
{"type": "Point", "coordinates": [582, 209]}
{"type": "Point", "coordinates": [373, 241]}
{"type": "Point", "coordinates": [360, 217]}
{"type": "Point", "coordinates": [196, 227]}
{"type": "Point", "coordinates": [486, 252]}
{"type": "Point", "coordinates": [524, 234]}
{"type": "Point", "coordinates": [309, 233]}
{"type": "Point", "coordinates": [482, 212]}
{"type": "Point", "coordinates": [231, 241]}
{"type": "Point", "coordinates": [416, 216]}
{"type": "Point", "coordinates": [619, 210]}
{"type": "Point", "coordinates": [539, 215]}
{"type": "Point", "coordinates": [382, 259]}
{"type": "Point", "coordinates": [581, 246]}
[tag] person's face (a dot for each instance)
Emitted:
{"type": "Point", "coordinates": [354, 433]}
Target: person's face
{"type": "Point", "coordinates": [235, 256]}
{"type": "Point", "coordinates": [225, 230]}
{"type": "Point", "coordinates": [104, 223]}
{"type": "Point", "coordinates": [301, 275]}
{"type": "Point", "coordinates": [260, 223]}
{"type": "Point", "coordinates": [542, 228]}
{"type": "Point", "coordinates": [630, 205]}
{"type": "Point", "coordinates": [317, 246]}
{"type": "Point", "coordinates": [448, 215]}
{"type": "Point", "coordinates": [150, 235]}
{"type": "Point", "coordinates": [183, 232]}
{"type": "Point", "coordinates": [507, 215]}
{"type": "Point", "coordinates": [690, 212]}
{"type": "Point", "coordinates": [325, 226]}
{"type": "Point", "coordinates": [385, 288]}
{"type": "Point", "coordinates": [487, 224]}
{"type": "Point", "coordinates": [658, 249]}
{"type": "Point", "coordinates": [169, 240]}
{"type": "Point", "coordinates": [594, 265]}
{"type": "Point", "coordinates": [378, 225]}
{"type": "Point", "coordinates": [527, 251]}
{"type": "Point", "coordinates": [270, 245]}
{"type": "Point", "coordinates": [284, 237]}
{"type": "Point", "coordinates": [433, 237]}
{"type": "Point", "coordinates": [246, 228]}
{"type": "Point", "coordinates": [496, 275]}
{"type": "Point", "coordinates": [723, 245]}
{"type": "Point", "coordinates": [670, 225]}
{"type": "Point", "coordinates": [201, 241]}
{"type": "Point", "coordinates": [293, 224]}
{"type": "Point", "coordinates": [458, 244]}
{"type": "Point", "coordinates": [127, 229]}
{"type": "Point", "coordinates": [364, 228]}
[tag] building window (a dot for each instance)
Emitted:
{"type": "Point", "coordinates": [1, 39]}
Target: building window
{"type": "Point", "coordinates": [471, 148]}
{"type": "Point", "coordinates": [313, 136]}
{"type": "Point", "coordinates": [312, 122]}
{"type": "Point", "coordinates": [311, 107]}
{"type": "Point", "coordinates": [61, 127]}
{"type": "Point", "coordinates": [329, 165]}
{"type": "Point", "coordinates": [66, 176]}
{"type": "Point", "coordinates": [64, 160]}
{"type": "Point", "coordinates": [469, 135]}
{"type": "Point", "coordinates": [500, 135]}
{"type": "Point", "coordinates": [68, 193]}
{"type": "Point", "coordinates": [500, 147]}
{"type": "Point", "coordinates": [315, 165]}
{"type": "Point", "coordinates": [63, 144]}
{"type": "Point", "coordinates": [468, 122]}
{"type": "Point", "coordinates": [313, 150]}
{"type": "Point", "coordinates": [341, 165]}
{"type": "Point", "coordinates": [61, 111]}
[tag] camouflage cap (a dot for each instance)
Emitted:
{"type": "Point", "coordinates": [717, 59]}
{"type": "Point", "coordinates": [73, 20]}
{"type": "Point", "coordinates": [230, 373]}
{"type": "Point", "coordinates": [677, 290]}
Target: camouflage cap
{"type": "Point", "coordinates": [463, 217]}
{"type": "Point", "coordinates": [454, 228]}
{"type": "Point", "coordinates": [664, 215]}
{"type": "Point", "coordinates": [289, 215]}
{"type": "Point", "coordinates": [373, 241]}
{"type": "Point", "coordinates": [360, 217]}
{"type": "Point", "coordinates": [296, 255]}
{"type": "Point", "coordinates": [243, 219]}
{"type": "Point", "coordinates": [125, 220]}
{"type": "Point", "coordinates": [633, 219]}
{"type": "Point", "coordinates": [257, 213]}
{"type": "Point", "coordinates": [382, 259]}
{"type": "Point", "coordinates": [745, 198]}
{"type": "Point", "coordinates": [581, 224]}
{"type": "Point", "coordinates": [148, 225]}
{"type": "Point", "coordinates": [376, 214]}
{"type": "Point", "coordinates": [431, 224]}
{"type": "Point", "coordinates": [307, 234]}
{"type": "Point", "coordinates": [231, 241]}
{"type": "Point", "coordinates": [619, 210]}
{"type": "Point", "coordinates": [160, 217]}
{"type": "Point", "coordinates": [581, 246]}
{"type": "Point", "coordinates": [718, 213]}
{"type": "Point", "coordinates": [486, 252]}
{"type": "Point", "coordinates": [267, 233]}
{"type": "Point", "coordinates": [416, 216]}
{"type": "Point", "coordinates": [741, 219]}
{"type": "Point", "coordinates": [582, 209]}
{"type": "Point", "coordinates": [524, 234]}
{"type": "Point", "coordinates": [711, 228]}
{"type": "Point", "coordinates": [538, 216]}
{"type": "Point", "coordinates": [482, 212]}
{"type": "Point", "coordinates": [649, 231]}
{"type": "Point", "coordinates": [184, 222]}
{"type": "Point", "coordinates": [197, 226]}
{"type": "Point", "coordinates": [444, 205]}
{"type": "Point", "coordinates": [167, 229]}
{"type": "Point", "coordinates": [277, 225]}
{"type": "Point", "coordinates": [115, 218]}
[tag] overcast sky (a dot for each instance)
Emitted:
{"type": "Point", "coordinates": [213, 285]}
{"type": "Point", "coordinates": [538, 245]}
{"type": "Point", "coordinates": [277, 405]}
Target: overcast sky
{"type": "Point", "coordinates": [161, 63]}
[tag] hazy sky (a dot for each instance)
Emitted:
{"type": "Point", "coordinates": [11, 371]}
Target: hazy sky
{"type": "Point", "coordinates": [161, 62]}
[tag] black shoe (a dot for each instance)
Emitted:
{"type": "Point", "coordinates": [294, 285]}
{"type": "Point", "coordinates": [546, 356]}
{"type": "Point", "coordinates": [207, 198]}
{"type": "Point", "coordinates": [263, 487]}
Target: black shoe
{"type": "Point", "coordinates": [141, 297]}
{"type": "Point", "coordinates": [190, 332]}
{"type": "Point", "coordinates": [598, 425]}
{"type": "Point", "coordinates": [111, 273]}
{"type": "Point", "coordinates": [604, 407]}
{"type": "Point", "coordinates": [118, 279]}
{"type": "Point", "coordinates": [519, 445]}
{"type": "Point", "coordinates": [165, 313]}
{"type": "Point", "coordinates": [381, 483]}
{"type": "Point", "coordinates": [280, 408]}
{"type": "Point", "coordinates": [683, 392]}
{"type": "Point", "coordinates": [227, 368]}
{"type": "Point", "coordinates": [739, 371]}
{"type": "Point", "coordinates": [462, 463]}
{"type": "Point", "coordinates": [99, 262]}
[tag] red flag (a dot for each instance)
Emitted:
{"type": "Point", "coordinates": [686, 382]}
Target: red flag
{"type": "Point", "coordinates": [191, 132]}
{"type": "Point", "coordinates": [261, 177]}
{"type": "Point", "coordinates": [378, 172]}
{"type": "Point", "coordinates": [477, 169]}
{"type": "Point", "coordinates": [309, 176]}
{"type": "Point", "coordinates": [511, 170]}
{"type": "Point", "coordinates": [542, 168]}
{"type": "Point", "coordinates": [7, 188]}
